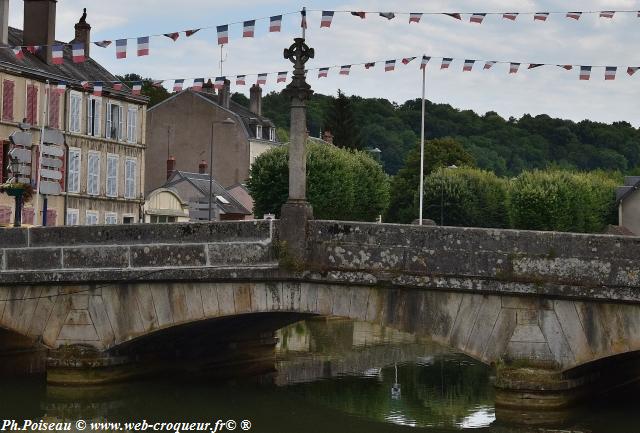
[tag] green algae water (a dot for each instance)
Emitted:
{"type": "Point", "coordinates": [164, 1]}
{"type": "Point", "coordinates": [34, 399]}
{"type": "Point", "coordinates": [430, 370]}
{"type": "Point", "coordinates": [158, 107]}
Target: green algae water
{"type": "Point", "coordinates": [324, 376]}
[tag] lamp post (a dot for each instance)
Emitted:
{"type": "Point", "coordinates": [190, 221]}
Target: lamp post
{"type": "Point", "coordinates": [227, 121]}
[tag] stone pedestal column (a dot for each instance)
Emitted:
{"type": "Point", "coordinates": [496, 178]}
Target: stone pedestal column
{"type": "Point", "coordinates": [296, 212]}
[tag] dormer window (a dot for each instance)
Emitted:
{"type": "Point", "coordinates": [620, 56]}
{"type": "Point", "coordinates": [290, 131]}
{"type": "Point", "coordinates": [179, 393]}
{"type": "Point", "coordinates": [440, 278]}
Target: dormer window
{"type": "Point", "coordinates": [259, 131]}
{"type": "Point", "coordinates": [272, 134]}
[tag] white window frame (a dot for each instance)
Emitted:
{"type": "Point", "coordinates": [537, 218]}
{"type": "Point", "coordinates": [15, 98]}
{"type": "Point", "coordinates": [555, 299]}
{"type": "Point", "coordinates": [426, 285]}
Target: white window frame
{"type": "Point", "coordinates": [92, 213]}
{"type": "Point", "coordinates": [91, 176]}
{"type": "Point", "coordinates": [91, 122]}
{"type": "Point", "coordinates": [132, 124]}
{"type": "Point", "coordinates": [128, 180]}
{"type": "Point", "coordinates": [109, 122]}
{"type": "Point", "coordinates": [272, 134]}
{"type": "Point", "coordinates": [111, 181]}
{"type": "Point", "coordinates": [76, 215]}
{"type": "Point", "coordinates": [73, 176]}
{"type": "Point", "coordinates": [259, 132]}
{"type": "Point", "coordinates": [75, 121]}
{"type": "Point", "coordinates": [113, 216]}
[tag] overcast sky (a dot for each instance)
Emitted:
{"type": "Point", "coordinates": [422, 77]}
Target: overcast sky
{"type": "Point", "coordinates": [551, 90]}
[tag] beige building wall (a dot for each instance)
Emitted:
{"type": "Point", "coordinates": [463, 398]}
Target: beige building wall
{"type": "Point", "coordinates": [258, 147]}
{"type": "Point", "coordinates": [629, 212]}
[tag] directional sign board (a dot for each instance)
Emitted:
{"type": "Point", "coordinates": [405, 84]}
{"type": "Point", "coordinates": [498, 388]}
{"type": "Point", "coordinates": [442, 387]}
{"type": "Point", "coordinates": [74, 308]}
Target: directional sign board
{"type": "Point", "coordinates": [51, 162]}
{"type": "Point", "coordinates": [22, 138]}
{"type": "Point", "coordinates": [20, 156]}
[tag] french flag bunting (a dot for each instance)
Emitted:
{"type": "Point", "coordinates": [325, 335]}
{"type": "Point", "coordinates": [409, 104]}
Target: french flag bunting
{"type": "Point", "coordinates": [282, 77]}
{"type": "Point", "coordinates": [303, 22]}
{"type": "Point", "coordinates": [143, 46]}
{"type": "Point", "coordinates": [632, 70]}
{"type": "Point", "coordinates": [18, 52]}
{"type": "Point", "coordinates": [61, 87]}
{"type": "Point", "coordinates": [248, 28]}
{"type": "Point", "coordinates": [157, 83]}
{"type": "Point", "coordinates": [455, 15]}
{"type": "Point", "coordinates": [425, 60]}
{"type": "Point", "coordinates": [388, 15]}
{"type": "Point", "coordinates": [121, 49]}
{"type": "Point", "coordinates": [513, 68]}
{"type": "Point", "coordinates": [198, 83]}
{"type": "Point", "coordinates": [446, 62]}
{"type": "Point", "coordinates": [362, 15]}
{"type": "Point", "coordinates": [477, 18]}
{"type": "Point", "coordinates": [173, 36]}
{"type": "Point", "coordinates": [345, 69]}
{"type": "Point", "coordinates": [567, 67]}
{"type": "Point", "coordinates": [33, 49]}
{"type": "Point", "coordinates": [85, 84]}
{"type": "Point", "coordinates": [468, 65]}
{"type": "Point", "coordinates": [389, 65]}
{"type": "Point", "coordinates": [610, 72]}
{"type": "Point", "coordinates": [97, 88]}
{"type": "Point", "coordinates": [191, 32]}
{"type": "Point", "coordinates": [218, 83]}
{"type": "Point", "coordinates": [117, 86]}
{"type": "Point", "coordinates": [534, 65]}
{"type": "Point", "coordinates": [369, 65]}
{"type": "Point", "coordinates": [241, 80]}
{"type": "Point", "coordinates": [103, 44]}
{"type": "Point", "coordinates": [78, 52]}
{"type": "Point", "coordinates": [407, 60]}
{"type": "Point", "coordinates": [275, 23]}
{"type": "Point", "coordinates": [262, 79]}
{"type": "Point", "coordinates": [575, 15]}
{"type": "Point", "coordinates": [136, 89]}
{"type": "Point", "coordinates": [510, 16]}
{"type": "Point", "coordinates": [56, 54]}
{"type": "Point", "coordinates": [323, 72]}
{"type": "Point", "coordinates": [541, 16]}
{"type": "Point", "coordinates": [327, 19]}
{"type": "Point", "coordinates": [223, 34]}
{"type": "Point", "coordinates": [607, 14]}
{"type": "Point", "coordinates": [488, 65]}
{"type": "Point", "coordinates": [177, 85]}
{"type": "Point", "coordinates": [415, 17]}
{"type": "Point", "coordinates": [585, 72]}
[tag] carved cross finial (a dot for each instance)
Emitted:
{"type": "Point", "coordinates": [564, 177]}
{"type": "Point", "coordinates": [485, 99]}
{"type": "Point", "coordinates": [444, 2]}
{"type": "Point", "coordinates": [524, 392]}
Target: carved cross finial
{"type": "Point", "coordinates": [299, 53]}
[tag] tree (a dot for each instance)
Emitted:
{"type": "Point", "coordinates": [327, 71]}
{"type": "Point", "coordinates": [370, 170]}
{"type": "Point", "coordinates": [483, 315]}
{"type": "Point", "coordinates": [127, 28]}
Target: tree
{"type": "Point", "coordinates": [340, 121]}
{"type": "Point", "coordinates": [156, 94]}
{"type": "Point", "coordinates": [341, 184]}
{"type": "Point", "coordinates": [405, 185]}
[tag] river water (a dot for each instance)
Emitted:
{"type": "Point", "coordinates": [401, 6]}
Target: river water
{"type": "Point", "coordinates": [327, 375]}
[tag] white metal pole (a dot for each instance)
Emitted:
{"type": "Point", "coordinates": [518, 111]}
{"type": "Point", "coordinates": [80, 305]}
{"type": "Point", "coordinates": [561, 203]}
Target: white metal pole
{"type": "Point", "coordinates": [424, 76]}
{"type": "Point", "coordinates": [38, 174]}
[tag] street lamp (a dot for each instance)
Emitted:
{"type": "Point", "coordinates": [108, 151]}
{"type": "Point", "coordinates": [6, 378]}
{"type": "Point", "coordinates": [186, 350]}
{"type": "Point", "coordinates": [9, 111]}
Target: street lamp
{"type": "Point", "coordinates": [451, 167]}
{"type": "Point", "coordinates": [227, 121]}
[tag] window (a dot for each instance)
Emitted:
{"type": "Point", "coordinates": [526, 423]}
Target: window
{"type": "Point", "coordinates": [7, 100]}
{"type": "Point", "coordinates": [54, 108]}
{"type": "Point", "coordinates": [259, 131]}
{"type": "Point", "coordinates": [128, 219]}
{"type": "Point", "coordinates": [114, 121]}
{"type": "Point", "coordinates": [272, 134]}
{"type": "Point", "coordinates": [93, 173]}
{"type": "Point", "coordinates": [73, 182]}
{"type": "Point", "coordinates": [73, 217]}
{"type": "Point", "coordinates": [31, 109]}
{"type": "Point", "coordinates": [110, 218]}
{"type": "Point", "coordinates": [92, 218]}
{"type": "Point", "coordinates": [155, 219]}
{"type": "Point", "coordinates": [132, 121]}
{"type": "Point", "coordinates": [94, 108]}
{"type": "Point", "coordinates": [112, 175]}
{"type": "Point", "coordinates": [75, 110]}
{"type": "Point", "coordinates": [130, 178]}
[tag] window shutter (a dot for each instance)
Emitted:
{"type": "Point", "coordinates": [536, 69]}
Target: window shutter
{"type": "Point", "coordinates": [96, 117]}
{"type": "Point", "coordinates": [32, 104]}
{"type": "Point", "coordinates": [27, 215]}
{"type": "Point", "coordinates": [108, 125]}
{"type": "Point", "coordinates": [2, 168]}
{"type": "Point", "coordinates": [7, 100]}
{"type": "Point", "coordinates": [89, 118]}
{"type": "Point", "coordinates": [5, 214]}
{"type": "Point", "coordinates": [54, 109]}
{"type": "Point", "coordinates": [52, 215]}
{"type": "Point", "coordinates": [120, 124]}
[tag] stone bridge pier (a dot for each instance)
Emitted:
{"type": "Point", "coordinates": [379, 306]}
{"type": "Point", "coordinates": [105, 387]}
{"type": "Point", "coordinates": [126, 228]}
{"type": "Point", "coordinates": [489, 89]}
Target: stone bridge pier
{"type": "Point", "coordinates": [557, 315]}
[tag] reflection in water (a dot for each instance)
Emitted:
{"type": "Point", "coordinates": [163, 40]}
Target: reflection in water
{"type": "Point", "coordinates": [327, 376]}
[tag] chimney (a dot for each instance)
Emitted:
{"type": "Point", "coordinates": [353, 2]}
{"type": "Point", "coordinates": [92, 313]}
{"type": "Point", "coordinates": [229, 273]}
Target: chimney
{"type": "Point", "coordinates": [202, 167]}
{"type": "Point", "coordinates": [171, 166]}
{"type": "Point", "coordinates": [255, 100]}
{"type": "Point", "coordinates": [40, 26]}
{"type": "Point", "coordinates": [328, 137]}
{"type": "Point", "coordinates": [208, 87]}
{"type": "Point", "coordinates": [83, 32]}
{"type": "Point", "coordinates": [4, 22]}
{"type": "Point", "coordinates": [225, 94]}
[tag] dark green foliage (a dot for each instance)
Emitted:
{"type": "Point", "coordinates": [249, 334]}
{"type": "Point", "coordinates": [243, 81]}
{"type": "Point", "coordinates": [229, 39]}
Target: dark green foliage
{"type": "Point", "coordinates": [405, 185]}
{"type": "Point", "coordinates": [240, 99]}
{"type": "Point", "coordinates": [341, 184]}
{"type": "Point", "coordinates": [341, 123]}
{"type": "Point", "coordinates": [156, 94]}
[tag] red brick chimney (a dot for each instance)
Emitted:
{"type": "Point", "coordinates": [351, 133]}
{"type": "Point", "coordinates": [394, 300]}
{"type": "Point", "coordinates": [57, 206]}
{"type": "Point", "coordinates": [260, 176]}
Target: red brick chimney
{"type": "Point", "coordinates": [83, 32]}
{"type": "Point", "coordinates": [202, 167]}
{"type": "Point", "coordinates": [255, 100]}
{"type": "Point", "coordinates": [225, 94]}
{"type": "Point", "coordinates": [171, 166]}
{"type": "Point", "coordinates": [40, 26]}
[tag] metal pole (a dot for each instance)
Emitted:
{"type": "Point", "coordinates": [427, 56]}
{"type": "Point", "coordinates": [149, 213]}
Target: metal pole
{"type": "Point", "coordinates": [211, 171]}
{"type": "Point", "coordinates": [45, 206]}
{"type": "Point", "coordinates": [442, 198]}
{"type": "Point", "coordinates": [424, 75]}
{"type": "Point", "coordinates": [37, 204]}
{"type": "Point", "coordinates": [304, 30]}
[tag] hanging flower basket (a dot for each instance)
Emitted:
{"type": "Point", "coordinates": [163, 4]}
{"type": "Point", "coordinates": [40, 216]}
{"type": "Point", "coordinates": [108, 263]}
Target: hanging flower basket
{"type": "Point", "coordinates": [18, 189]}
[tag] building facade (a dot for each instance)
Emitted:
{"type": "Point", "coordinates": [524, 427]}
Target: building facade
{"type": "Point", "coordinates": [103, 169]}
{"type": "Point", "coordinates": [628, 200]}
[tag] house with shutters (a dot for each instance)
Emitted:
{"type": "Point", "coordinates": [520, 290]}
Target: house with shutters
{"type": "Point", "coordinates": [103, 165]}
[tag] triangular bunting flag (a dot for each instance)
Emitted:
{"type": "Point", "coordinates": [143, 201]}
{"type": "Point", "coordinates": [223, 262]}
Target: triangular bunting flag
{"type": "Point", "coordinates": [388, 15]}
{"type": "Point", "coordinates": [103, 44]}
{"type": "Point", "coordinates": [362, 15]}
{"type": "Point", "coordinates": [477, 18]}
{"type": "Point", "coordinates": [173, 36]}
{"type": "Point", "coordinates": [455, 15]}
{"type": "Point", "coordinates": [407, 60]}
{"type": "Point", "coordinates": [191, 32]}
{"type": "Point", "coordinates": [510, 16]}
{"type": "Point", "coordinates": [488, 65]}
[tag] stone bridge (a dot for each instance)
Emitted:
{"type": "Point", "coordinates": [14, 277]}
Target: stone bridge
{"type": "Point", "coordinates": [543, 307]}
